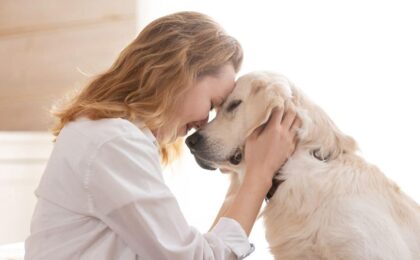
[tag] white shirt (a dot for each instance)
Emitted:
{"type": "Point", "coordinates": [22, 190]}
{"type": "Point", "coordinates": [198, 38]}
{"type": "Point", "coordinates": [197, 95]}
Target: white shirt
{"type": "Point", "coordinates": [102, 196]}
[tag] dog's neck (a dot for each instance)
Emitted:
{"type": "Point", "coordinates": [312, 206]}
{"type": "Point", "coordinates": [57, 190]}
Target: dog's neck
{"type": "Point", "coordinates": [277, 182]}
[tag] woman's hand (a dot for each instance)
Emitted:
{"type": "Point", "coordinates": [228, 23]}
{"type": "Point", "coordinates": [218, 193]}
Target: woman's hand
{"type": "Point", "coordinates": [266, 150]}
{"type": "Point", "coordinates": [270, 145]}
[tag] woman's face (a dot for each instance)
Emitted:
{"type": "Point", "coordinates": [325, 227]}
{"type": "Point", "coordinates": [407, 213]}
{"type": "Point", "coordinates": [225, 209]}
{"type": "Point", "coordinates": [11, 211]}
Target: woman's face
{"type": "Point", "coordinates": [207, 93]}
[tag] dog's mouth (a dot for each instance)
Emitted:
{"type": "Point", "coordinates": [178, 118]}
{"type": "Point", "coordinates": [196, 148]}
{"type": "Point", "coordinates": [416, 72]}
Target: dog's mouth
{"type": "Point", "coordinates": [236, 158]}
{"type": "Point", "coordinates": [204, 163]}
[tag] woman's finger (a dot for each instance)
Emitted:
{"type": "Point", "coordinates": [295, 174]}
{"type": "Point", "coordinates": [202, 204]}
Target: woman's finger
{"type": "Point", "coordinates": [276, 116]}
{"type": "Point", "coordinates": [258, 130]}
{"type": "Point", "coordinates": [297, 123]}
{"type": "Point", "coordinates": [288, 118]}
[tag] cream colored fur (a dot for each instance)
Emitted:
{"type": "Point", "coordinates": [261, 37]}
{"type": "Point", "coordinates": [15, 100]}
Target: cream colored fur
{"type": "Point", "coordinates": [340, 208]}
{"type": "Point", "coordinates": [343, 208]}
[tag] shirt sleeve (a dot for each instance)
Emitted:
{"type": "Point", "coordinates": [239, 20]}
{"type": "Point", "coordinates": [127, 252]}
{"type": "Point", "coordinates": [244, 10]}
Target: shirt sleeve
{"type": "Point", "coordinates": [128, 193]}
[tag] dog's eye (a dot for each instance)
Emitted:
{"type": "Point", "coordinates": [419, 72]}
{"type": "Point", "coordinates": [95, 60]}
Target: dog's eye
{"type": "Point", "coordinates": [232, 105]}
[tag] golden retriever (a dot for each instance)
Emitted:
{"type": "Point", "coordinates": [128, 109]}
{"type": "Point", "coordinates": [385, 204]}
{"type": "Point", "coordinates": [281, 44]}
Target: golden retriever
{"type": "Point", "coordinates": [331, 203]}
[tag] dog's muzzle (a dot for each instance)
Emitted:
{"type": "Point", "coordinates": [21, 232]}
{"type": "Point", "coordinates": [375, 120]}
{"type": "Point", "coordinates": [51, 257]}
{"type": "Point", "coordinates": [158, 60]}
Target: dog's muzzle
{"type": "Point", "coordinates": [194, 143]}
{"type": "Point", "coordinates": [203, 164]}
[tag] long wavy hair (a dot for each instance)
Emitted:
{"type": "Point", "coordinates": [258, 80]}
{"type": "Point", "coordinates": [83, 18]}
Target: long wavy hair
{"type": "Point", "coordinates": [151, 75]}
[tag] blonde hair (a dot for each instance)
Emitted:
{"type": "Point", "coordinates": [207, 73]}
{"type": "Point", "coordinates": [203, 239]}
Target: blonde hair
{"type": "Point", "coordinates": [152, 73]}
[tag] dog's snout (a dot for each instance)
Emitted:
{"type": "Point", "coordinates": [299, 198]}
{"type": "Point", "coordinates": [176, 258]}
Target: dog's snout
{"type": "Point", "coordinates": [193, 140]}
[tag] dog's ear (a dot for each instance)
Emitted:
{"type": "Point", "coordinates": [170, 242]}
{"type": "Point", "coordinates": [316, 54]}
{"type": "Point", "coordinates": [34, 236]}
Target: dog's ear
{"type": "Point", "coordinates": [343, 143]}
{"type": "Point", "coordinates": [334, 144]}
{"type": "Point", "coordinates": [265, 96]}
{"type": "Point", "coordinates": [323, 137]}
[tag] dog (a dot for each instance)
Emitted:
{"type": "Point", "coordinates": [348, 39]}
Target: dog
{"type": "Point", "coordinates": [330, 203]}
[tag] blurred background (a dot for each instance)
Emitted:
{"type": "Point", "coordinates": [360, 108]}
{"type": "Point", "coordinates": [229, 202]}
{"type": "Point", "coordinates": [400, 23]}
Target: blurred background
{"type": "Point", "coordinates": [359, 60]}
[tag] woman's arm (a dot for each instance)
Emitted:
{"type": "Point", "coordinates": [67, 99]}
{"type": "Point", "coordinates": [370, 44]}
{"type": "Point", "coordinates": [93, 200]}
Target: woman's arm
{"type": "Point", "coordinates": [247, 203]}
{"type": "Point", "coordinates": [266, 150]}
{"type": "Point", "coordinates": [229, 198]}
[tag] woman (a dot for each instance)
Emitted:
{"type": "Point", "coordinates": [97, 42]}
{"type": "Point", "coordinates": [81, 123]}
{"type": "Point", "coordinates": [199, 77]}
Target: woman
{"type": "Point", "coordinates": [102, 195]}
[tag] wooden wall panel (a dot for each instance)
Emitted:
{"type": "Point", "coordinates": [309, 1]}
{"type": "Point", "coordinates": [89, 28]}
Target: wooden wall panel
{"type": "Point", "coordinates": [23, 16]}
{"type": "Point", "coordinates": [47, 47]}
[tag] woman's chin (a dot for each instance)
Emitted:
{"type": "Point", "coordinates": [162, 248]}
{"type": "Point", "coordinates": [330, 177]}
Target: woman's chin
{"type": "Point", "coordinates": [182, 132]}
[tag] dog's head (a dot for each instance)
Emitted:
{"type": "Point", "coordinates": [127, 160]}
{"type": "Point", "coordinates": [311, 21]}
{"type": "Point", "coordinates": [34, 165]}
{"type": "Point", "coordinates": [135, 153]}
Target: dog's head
{"type": "Point", "coordinates": [220, 144]}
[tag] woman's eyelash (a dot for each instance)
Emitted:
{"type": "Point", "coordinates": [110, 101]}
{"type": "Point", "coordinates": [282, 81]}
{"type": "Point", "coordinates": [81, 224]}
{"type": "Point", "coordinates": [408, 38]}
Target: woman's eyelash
{"type": "Point", "coordinates": [211, 107]}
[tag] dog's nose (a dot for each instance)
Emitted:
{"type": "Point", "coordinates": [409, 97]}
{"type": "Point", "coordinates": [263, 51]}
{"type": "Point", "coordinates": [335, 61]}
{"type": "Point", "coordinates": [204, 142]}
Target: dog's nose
{"type": "Point", "coordinates": [193, 140]}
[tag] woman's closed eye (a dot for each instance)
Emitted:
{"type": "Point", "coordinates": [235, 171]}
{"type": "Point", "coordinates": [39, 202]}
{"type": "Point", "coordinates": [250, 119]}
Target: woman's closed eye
{"type": "Point", "coordinates": [211, 107]}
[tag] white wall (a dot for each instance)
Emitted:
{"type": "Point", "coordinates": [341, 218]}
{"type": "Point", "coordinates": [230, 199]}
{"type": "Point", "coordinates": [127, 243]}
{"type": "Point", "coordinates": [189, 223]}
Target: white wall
{"type": "Point", "coordinates": [23, 156]}
{"type": "Point", "coordinates": [359, 60]}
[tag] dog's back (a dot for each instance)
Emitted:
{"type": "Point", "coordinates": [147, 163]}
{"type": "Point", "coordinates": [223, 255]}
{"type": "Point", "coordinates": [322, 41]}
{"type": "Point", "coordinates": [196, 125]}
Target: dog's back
{"type": "Point", "coordinates": [335, 205]}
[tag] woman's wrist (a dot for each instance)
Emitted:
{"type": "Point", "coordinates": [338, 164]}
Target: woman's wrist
{"type": "Point", "coordinates": [258, 178]}
{"type": "Point", "coordinates": [248, 199]}
{"type": "Point", "coordinates": [247, 203]}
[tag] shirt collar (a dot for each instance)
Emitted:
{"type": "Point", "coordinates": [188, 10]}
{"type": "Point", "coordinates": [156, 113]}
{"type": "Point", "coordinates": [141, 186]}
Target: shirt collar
{"type": "Point", "coordinates": [142, 126]}
{"type": "Point", "coordinates": [149, 134]}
